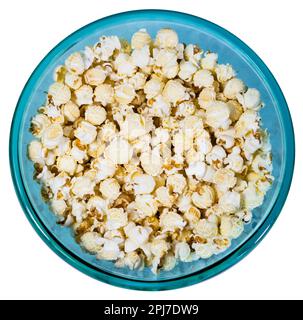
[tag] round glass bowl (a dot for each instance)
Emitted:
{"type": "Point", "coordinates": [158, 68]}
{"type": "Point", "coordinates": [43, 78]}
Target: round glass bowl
{"type": "Point", "coordinates": [191, 29]}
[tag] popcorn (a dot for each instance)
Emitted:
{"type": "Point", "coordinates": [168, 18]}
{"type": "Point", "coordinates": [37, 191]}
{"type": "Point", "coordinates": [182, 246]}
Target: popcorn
{"type": "Point", "coordinates": [209, 61]}
{"type": "Point", "coordinates": [233, 88]}
{"type": "Point", "coordinates": [166, 38]}
{"type": "Point", "coordinates": [140, 39]}
{"type": "Point", "coordinates": [67, 164]}
{"type": "Point", "coordinates": [170, 221]}
{"type": "Point", "coordinates": [71, 111]}
{"type": "Point", "coordinates": [110, 189]}
{"type": "Point", "coordinates": [174, 91]}
{"type": "Point", "coordinates": [224, 72]}
{"type": "Point", "coordinates": [82, 186]}
{"type": "Point", "coordinates": [95, 76]}
{"type": "Point", "coordinates": [52, 136]}
{"type": "Point", "coordinates": [59, 93]}
{"type": "Point", "coordinates": [75, 64]}
{"type": "Point", "coordinates": [95, 115]}
{"type": "Point", "coordinates": [84, 95]}
{"type": "Point", "coordinates": [86, 132]}
{"type": "Point", "coordinates": [144, 184]}
{"type": "Point", "coordinates": [74, 81]}
{"type": "Point", "coordinates": [217, 115]}
{"type": "Point", "coordinates": [119, 151]}
{"type": "Point", "coordinates": [92, 242]}
{"type": "Point", "coordinates": [176, 183]}
{"type": "Point", "coordinates": [250, 99]}
{"type": "Point", "coordinates": [203, 78]}
{"type": "Point", "coordinates": [151, 151]}
{"type": "Point", "coordinates": [116, 218]}
{"type": "Point", "coordinates": [36, 152]}
{"type": "Point", "coordinates": [104, 93]}
{"type": "Point", "coordinates": [125, 93]}
{"type": "Point", "coordinates": [204, 198]}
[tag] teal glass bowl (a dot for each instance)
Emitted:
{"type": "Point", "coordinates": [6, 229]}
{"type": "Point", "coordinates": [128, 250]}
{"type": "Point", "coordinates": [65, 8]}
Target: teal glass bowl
{"type": "Point", "coordinates": [191, 29]}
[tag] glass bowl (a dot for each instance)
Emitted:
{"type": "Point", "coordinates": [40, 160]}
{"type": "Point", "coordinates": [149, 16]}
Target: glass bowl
{"type": "Point", "coordinates": [191, 29]}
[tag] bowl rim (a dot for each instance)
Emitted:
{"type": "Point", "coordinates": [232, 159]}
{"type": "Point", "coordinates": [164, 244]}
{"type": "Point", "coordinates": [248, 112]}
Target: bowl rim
{"type": "Point", "coordinates": [224, 263]}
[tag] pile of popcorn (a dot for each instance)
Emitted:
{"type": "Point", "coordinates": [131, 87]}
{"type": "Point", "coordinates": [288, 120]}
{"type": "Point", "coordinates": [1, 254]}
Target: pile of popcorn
{"type": "Point", "coordinates": [151, 151]}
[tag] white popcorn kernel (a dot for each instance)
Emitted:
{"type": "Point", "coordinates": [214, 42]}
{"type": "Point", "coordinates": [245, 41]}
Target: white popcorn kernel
{"type": "Point", "coordinates": [187, 70]}
{"type": "Point", "coordinates": [104, 93]}
{"type": "Point", "coordinates": [124, 93]}
{"type": "Point", "coordinates": [196, 169]}
{"type": "Point", "coordinates": [252, 197]}
{"type": "Point", "coordinates": [71, 111]}
{"type": "Point", "coordinates": [95, 76]}
{"type": "Point", "coordinates": [166, 38]}
{"type": "Point", "coordinates": [67, 164]}
{"type": "Point", "coordinates": [124, 65]}
{"type": "Point", "coordinates": [193, 54]}
{"type": "Point", "coordinates": [224, 72]}
{"type": "Point", "coordinates": [82, 186]}
{"type": "Point", "coordinates": [144, 184]}
{"type": "Point", "coordinates": [96, 115]}
{"type": "Point", "coordinates": [203, 78]}
{"type": "Point", "coordinates": [147, 204]}
{"type": "Point", "coordinates": [91, 241]}
{"type": "Point", "coordinates": [248, 122]}
{"type": "Point", "coordinates": [251, 145]}
{"type": "Point", "coordinates": [216, 156]}
{"type": "Point", "coordinates": [58, 206]}
{"type": "Point", "coordinates": [183, 252]}
{"type": "Point", "coordinates": [176, 182]}
{"type": "Point", "coordinates": [36, 152]}
{"type": "Point", "coordinates": [217, 115]}
{"type": "Point", "coordinates": [204, 198]}
{"type": "Point", "coordinates": [105, 168]}
{"type": "Point", "coordinates": [140, 39]}
{"type": "Point", "coordinates": [52, 136]}
{"type": "Point", "coordinates": [136, 236]}
{"type": "Point", "coordinates": [160, 107]}
{"type": "Point", "coordinates": [141, 57]}
{"type": "Point", "coordinates": [133, 261]}
{"type": "Point", "coordinates": [97, 203]}
{"type": "Point", "coordinates": [88, 57]}
{"type": "Point", "coordinates": [152, 163]}
{"type": "Point", "coordinates": [138, 80]}
{"type": "Point", "coordinates": [107, 46]}
{"type": "Point", "coordinates": [171, 221]}
{"type": "Point", "coordinates": [39, 123]}
{"type": "Point", "coordinates": [153, 87]}
{"type": "Point", "coordinates": [206, 97]}
{"type": "Point", "coordinates": [233, 88]}
{"type": "Point", "coordinates": [78, 210]}
{"type": "Point", "coordinates": [110, 189]}
{"type": "Point", "coordinates": [164, 197]}
{"type": "Point", "coordinates": [59, 93]}
{"type": "Point", "coordinates": [224, 179]}
{"type": "Point", "coordinates": [116, 218]}
{"type": "Point", "coordinates": [203, 250]}
{"type": "Point", "coordinates": [250, 99]}
{"type": "Point", "coordinates": [206, 229]}
{"type": "Point", "coordinates": [234, 161]}
{"type": "Point", "coordinates": [229, 202]}
{"type": "Point", "coordinates": [186, 109]}
{"type": "Point", "coordinates": [134, 126]}
{"type": "Point", "coordinates": [119, 151]}
{"type": "Point", "coordinates": [75, 64]}
{"type": "Point", "coordinates": [73, 80]}
{"type": "Point", "coordinates": [231, 227]}
{"type": "Point", "coordinates": [84, 95]}
{"type": "Point", "coordinates": [169, 262]}
{"type": "Point", "coordinates": [209, 62]}
{"type": "Point", "coordinates": [86, 132]}
{"type": "Point", "coordinates": [174, 91]}
{"type": "Point", "coordinates": [110, 250]}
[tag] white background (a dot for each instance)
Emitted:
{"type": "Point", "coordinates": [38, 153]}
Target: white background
{"type": "Point", "coordinates": [29, 29]}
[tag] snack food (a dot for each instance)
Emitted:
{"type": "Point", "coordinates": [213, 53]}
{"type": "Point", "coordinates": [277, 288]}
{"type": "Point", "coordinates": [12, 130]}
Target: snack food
{"type": "Point", "coordinates": [151, 151]}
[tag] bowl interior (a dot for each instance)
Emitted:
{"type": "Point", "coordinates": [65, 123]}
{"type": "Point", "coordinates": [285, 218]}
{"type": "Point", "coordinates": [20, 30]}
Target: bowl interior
{"type": "Point", "coordinates": [208, 38]}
